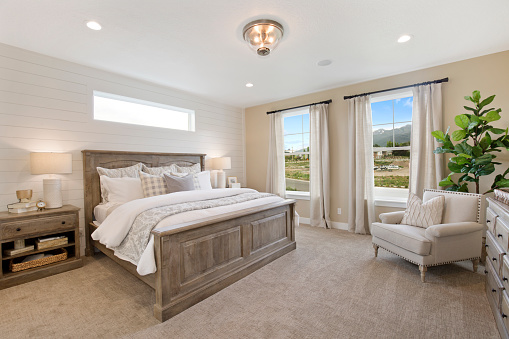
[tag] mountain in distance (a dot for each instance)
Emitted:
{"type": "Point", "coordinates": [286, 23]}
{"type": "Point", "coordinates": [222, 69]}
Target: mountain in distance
{"type": "Point", "coordinates": [401, 134]}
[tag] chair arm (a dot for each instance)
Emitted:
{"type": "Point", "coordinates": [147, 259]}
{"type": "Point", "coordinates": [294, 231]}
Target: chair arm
{"type": "Point", "coordinates": [392, 217]}
{"type": "Point", "coordinates": [457, 228]}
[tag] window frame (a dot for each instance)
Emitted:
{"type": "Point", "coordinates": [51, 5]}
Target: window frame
{"type": "Point", "coordinates": [300, 195]}
{"type": "Point", "coordinates": [391, 196]}
{"type": "Point", "coordinates": [190, 113]}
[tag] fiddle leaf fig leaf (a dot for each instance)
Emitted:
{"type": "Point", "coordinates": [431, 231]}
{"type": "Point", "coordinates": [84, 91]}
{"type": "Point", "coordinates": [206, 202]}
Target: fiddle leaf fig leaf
{"type": "Point", "coordinates": [486, 170]}
{"type": "Point", "coordinates": [461, 121]}
{"type": "Point", "coordinates": [498, 130]}
{"type": "Point", "coordinates": [483, 159]}
{"type": "Point", "coordinates": [458, 135]}
{"type": "Point", "coordinates": [470, 109]}
{"type": "Point", "coordinates": [455, 167]}
{"type": "Point", "coordinates": [476, 95]}
{"type": "Point", "coordinates": [486, 101]}
{"type": "Point", "coordinates": [439, 135]}
{"type": "Point", "coordinates": [485, 142]}
{"type": "Point", "coordinates": [492, 116]}
{"type": "Point", "coordinates": [502, 183]}
{"type": "Point", "coordinates": [460, 160]}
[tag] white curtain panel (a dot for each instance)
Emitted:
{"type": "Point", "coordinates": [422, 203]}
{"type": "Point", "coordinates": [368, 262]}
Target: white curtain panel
{"type": "Point", "coordinates": [276, 163]}
{"type": "Point", "coordinates": [319, 166]}
{"type": "Point", "coordinates": [426, 168]}
{"type": "Point", "coordinates": [361, 187]}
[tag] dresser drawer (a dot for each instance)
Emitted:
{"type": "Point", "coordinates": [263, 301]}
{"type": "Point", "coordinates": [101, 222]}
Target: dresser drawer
{"type": "Point", "coordinates": [494, 253]}
{"type": "Point", "coordinates": [505, 309]}
{"type": "Point", "coordinates": [491, 220]}
{"type": "Point", "coordinates": [494, 287]}
{"type": "Point", "coordinates": [502, 234]}
{"type": "Point", "coordinates": [22, 228]}
{"type": "Point", "coordinates": [505, 272]}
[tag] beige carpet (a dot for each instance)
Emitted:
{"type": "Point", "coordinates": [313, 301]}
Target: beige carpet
{"type": "Point", "coordinates": [330, 287]}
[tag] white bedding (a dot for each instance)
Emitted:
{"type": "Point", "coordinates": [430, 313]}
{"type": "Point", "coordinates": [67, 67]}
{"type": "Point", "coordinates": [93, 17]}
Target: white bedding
{"type": "Point", "coordinates": [115, 227]}
{"type": "Point", "coordinates": [103, 210]}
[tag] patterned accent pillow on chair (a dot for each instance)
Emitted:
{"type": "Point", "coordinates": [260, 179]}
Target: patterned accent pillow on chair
{"type": "Point", "coordinates": [422, 214]}
{"type": "Point", "coordinates": [152, 185]}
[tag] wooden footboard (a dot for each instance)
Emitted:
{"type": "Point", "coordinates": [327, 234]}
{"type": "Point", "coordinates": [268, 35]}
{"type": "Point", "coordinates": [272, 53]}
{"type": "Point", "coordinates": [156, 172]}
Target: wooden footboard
{"type": "Point", "coordinates": [201, 258]}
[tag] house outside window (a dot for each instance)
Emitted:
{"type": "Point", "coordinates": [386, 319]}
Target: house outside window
{"type": "Point", "coordinates": [392, 126]}
{"type": "Point", "coordinates": [296, 150]}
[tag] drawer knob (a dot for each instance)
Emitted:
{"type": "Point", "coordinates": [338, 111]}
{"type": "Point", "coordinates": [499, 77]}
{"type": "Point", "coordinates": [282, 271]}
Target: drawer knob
{"type": "Point", "coordinates": [488, 221]}
{"type": "Point", "coordinates": [504, 316]}
{"type": "Point", "coordinates": [504, 279]}
{"type": "Point", "coordinates": [485, 272]}
{"type": "Point", "coordinates": [18, 229]}
{"type": "Point", "coordinates": [63, 222]}
{"type": "Point", "coordinates": [486, 246]}
{"type": "Point", "coordinates": [494, 259]}
{"type": "Point", "coordinates": [500, 236]}
{"type": "Point", "coordinates": [493, 290]}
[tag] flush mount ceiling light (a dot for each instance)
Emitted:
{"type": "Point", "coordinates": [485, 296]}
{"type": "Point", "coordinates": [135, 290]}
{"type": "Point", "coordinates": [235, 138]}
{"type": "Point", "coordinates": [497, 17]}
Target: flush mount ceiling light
{"type": "Point", "coordinates": [94, 25]}
{"type": "Point", "coordinates": [249, 84]}
{"type": "Point", "coordinates": [325, 62]}
{"type": "Point", "coordinates": [263, 35]}
{"type": "Point", "coordinates": [404, 38]}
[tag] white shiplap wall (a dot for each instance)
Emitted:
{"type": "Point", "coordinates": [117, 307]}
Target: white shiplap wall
{"type": "Point", "coordinates": [46, 105]}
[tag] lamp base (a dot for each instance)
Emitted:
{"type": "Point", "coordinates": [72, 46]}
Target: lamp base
{"type": "Point", "coordinates": [52, 192]}
{"type": "Point", "coordinates": [221, 179]}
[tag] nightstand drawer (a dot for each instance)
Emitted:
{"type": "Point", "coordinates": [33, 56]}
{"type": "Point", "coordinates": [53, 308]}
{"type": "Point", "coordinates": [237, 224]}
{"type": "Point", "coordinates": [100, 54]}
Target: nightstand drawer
{"type": "Point", "coordinates": [491, 220]}
{"type": "Point", "coordinates": [494, 287]}
{"type": "Point", "coordinates": [502, 234]}
{"type": "Point", "coordinates": [27, 227]}
{"type": "Point", "coordinates": [494, 253]}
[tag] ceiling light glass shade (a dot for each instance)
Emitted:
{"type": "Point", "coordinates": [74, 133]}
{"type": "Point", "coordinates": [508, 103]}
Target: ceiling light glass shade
{"type": "Point", "coordinates": [263, 35]}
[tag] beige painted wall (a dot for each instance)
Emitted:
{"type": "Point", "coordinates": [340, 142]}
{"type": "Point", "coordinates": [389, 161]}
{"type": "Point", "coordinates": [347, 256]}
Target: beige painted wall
{"type": "Point", "coordinates": [489, 74]}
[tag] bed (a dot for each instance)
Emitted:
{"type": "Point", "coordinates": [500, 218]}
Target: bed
{"type": "Point", "coordinates": [194, 259]}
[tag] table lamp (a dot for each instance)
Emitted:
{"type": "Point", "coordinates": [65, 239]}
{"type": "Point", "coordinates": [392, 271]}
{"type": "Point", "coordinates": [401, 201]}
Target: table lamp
{"type": "Point", "coordinates": [221, 164]}
{"type": "Point", "coordinates": [51, 163]}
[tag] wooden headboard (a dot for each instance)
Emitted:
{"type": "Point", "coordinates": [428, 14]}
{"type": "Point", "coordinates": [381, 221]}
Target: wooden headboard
{"type": "Point", "coordinates": [118, 159]}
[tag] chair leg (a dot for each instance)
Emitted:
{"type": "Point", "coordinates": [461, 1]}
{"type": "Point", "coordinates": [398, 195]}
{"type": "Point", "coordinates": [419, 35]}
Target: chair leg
{"type": "Point", "coordinates": [423, 270]}
{"type": "Point", "coordinates": [375, 246]}
{"type": "Point", "coordinates": [475, 263]}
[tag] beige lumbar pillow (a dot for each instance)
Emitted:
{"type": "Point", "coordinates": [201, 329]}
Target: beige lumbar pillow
{"type": "Point", "coordinates": [424, 214]}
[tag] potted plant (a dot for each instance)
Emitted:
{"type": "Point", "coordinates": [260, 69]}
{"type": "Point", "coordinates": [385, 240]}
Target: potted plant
{"type": "Point", "coordinates": [478, 141]}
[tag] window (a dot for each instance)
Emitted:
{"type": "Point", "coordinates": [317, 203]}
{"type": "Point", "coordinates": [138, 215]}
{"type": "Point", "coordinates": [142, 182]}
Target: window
{"type": "Point", "coordinates": [296, 143]}
{"type": "Point", "coordinates": [116, 108]}
{"type": "Point", "coordinates": [392, 125]}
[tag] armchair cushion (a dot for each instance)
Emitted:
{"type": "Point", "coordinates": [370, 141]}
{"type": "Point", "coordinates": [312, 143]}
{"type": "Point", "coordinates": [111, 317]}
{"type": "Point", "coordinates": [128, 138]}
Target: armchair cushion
{"type": "Point", "coordinates": [411, 238]}
{"type": "Point", "coordinates": [423, 214]}
{"type": "Point", "coordinates": [453, 229]}
{"type": "Point", "coordinates": [392, 217]}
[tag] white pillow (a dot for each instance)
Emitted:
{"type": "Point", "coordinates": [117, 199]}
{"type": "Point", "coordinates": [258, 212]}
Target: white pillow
{"type": "Point", "coordinates": [204, 180]}
{"type": "Point", "coordinates": [122, 190]}
{"type": "Point", "coordinates": [424, 214]}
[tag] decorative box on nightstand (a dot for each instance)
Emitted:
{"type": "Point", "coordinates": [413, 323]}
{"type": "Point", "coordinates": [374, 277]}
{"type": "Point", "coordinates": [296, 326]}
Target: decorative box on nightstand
{"type": "Point", "coordinates": [31, 226]}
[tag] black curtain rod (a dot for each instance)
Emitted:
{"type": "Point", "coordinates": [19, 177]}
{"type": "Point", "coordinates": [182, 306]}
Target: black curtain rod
{"type": "Point", "coordinates": [315, 103]}
{"type": "Point", "coordinates": [392, 89]}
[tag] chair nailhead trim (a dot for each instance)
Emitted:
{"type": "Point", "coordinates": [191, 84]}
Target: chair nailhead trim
{"type": "Point", "coordinates": [479, 199]}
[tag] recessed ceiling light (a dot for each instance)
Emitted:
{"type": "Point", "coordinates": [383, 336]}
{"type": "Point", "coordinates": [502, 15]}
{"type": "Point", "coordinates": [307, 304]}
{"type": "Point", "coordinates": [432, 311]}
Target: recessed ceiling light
{"type": "Point", "coordinates": [94, 25]}
{"type": "Point", "coordinates": [404, 38]}
{"type": "Point", "coordinates": [249, 84]}
{"type": "Point", "coordinates": [324, 62]}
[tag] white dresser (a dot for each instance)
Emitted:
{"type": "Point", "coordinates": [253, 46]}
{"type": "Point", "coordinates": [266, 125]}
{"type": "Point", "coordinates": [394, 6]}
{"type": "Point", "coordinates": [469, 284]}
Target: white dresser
{"type": "Point", "coordinates": [497, 263]}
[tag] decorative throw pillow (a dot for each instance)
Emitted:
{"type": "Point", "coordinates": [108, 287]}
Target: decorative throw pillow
{"type": "Point", "coordinates": [178, 184]}
{"type": "Point", "coordinates": [424, 214]}
{"type": "Point", "coordinates": [196, 168]}
{"type": "Point", "coordinates": [160, 170]}
{"type": "Point", "coordinates": [152, 185]}
{"type": "Point", "coordinates": [203, 179]}
{"type": "Point", "coordinates": [122, 190]}
{"type": "Point", "coordinates": [130, 172]}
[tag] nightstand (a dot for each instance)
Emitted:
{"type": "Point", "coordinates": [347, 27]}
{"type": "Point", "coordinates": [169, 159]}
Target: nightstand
{"type": "Point", "coordinates": [31, 226]}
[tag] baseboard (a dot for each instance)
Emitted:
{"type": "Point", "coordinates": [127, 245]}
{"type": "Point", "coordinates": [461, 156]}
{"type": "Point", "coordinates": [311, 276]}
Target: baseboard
{"type": "Point", "coordinates": [335, 225]}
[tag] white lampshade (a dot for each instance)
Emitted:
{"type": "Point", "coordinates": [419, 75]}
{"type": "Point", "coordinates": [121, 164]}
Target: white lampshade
{"type": "Point", "coordinates": [50, 163]}
{"type": "Point", "coordinates": [222, 163]}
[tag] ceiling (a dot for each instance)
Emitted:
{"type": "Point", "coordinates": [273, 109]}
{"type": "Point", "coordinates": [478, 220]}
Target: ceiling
{"type": "Point", "coordinates": [197, 46]}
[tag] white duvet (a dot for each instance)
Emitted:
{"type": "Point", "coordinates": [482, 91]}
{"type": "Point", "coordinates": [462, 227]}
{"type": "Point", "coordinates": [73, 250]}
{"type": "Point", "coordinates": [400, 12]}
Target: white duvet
{"type": "Point", "coordinates": [115, 227]}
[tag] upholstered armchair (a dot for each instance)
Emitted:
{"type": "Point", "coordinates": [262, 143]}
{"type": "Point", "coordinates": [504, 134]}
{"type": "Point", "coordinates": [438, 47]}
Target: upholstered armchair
{"type": "Point", "coordinates": [457, 238]}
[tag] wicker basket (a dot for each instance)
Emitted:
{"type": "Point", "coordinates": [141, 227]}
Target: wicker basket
{"type": "Point", "coordinates": [58, 255]}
